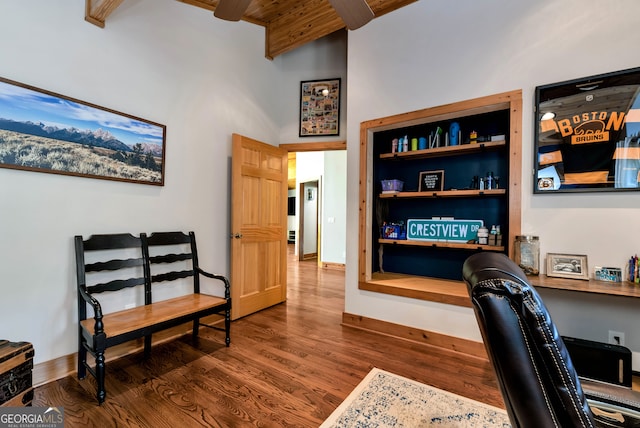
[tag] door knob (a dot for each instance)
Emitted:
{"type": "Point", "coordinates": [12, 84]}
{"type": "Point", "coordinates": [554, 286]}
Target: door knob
{"type": "Point", "coordinates": [238, 235]}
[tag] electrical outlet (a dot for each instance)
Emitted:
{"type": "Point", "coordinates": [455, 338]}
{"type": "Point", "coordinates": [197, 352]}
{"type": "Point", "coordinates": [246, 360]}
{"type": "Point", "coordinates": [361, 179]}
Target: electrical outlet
{"type": "Point", "coordinates": [616, 337]}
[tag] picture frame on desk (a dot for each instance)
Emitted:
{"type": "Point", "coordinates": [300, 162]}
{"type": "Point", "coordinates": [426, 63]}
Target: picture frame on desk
{"type": "Point", "coordinates": [572, 266]}
{"type": "Point", "coordinates": [608, 274]}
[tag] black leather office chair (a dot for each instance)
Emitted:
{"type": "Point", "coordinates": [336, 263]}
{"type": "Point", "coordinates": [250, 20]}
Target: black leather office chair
{"type": "Point", "coordinates": [538, 382]}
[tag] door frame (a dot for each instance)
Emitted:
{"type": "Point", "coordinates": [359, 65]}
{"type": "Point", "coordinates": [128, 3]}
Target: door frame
{"type": "Point", "coordinates": [315, 147]}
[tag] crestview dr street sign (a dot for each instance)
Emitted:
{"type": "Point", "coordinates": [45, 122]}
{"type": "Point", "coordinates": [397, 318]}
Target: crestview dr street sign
{"type": "Point", "coordinates": [450, 230]}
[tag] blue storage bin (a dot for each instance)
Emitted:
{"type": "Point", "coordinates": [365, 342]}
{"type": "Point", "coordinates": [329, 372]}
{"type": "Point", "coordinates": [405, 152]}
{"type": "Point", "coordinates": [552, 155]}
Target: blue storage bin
{"type": "Point", "coordinates": [392, 185]}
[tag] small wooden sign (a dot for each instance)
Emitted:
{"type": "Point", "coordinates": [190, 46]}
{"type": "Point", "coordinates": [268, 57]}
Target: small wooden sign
{"type": "Point", "coordinates": [431, 181]}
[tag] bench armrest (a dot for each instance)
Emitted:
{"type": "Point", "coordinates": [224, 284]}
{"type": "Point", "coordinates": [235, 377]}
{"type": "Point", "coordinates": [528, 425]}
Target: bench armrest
{"type": "Point", "coordinates": [97, 310]}
{"type": "Point", "coordinates": [227, 285]}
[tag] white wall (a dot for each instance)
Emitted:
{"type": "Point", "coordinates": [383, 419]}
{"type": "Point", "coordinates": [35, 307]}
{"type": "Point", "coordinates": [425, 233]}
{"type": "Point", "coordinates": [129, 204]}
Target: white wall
{"type": "Point", "coordinates": [334, 208]}
{"type": "Point", "coordinates": [161, 60]}
{"type": "Point", "coordinates": [431, 53]}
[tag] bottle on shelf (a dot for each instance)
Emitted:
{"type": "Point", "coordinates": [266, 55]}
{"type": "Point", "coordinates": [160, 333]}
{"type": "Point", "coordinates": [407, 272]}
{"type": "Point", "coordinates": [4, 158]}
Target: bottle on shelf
{"type": "Point", "coordinates": [494, 235]}
{"type": "Point", "coordinates": [489, 181]}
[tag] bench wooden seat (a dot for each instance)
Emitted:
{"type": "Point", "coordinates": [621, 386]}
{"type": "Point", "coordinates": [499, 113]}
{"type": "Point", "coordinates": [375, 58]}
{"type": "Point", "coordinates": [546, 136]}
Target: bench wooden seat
{"type": "Point", "coordinates": [153, 316]}
{"type": "Point", "coordinates": [121, 262]}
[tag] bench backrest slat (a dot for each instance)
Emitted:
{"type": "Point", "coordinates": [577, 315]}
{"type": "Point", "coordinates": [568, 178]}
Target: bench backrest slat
{"type": "Point", "coordinates": [171, 276]}
{"type": "Point", "coordinates": [115, 285]}
{"type": "Point", "coordinates": [168, 253]}
{"type": "Point", "coordinates": [170, 258]}
{"type": "Point", "coordinates": [113, 265]}
{"type": "Point", "coordinates": [168, 238]}
{"type": "Point", "coordinates": [109, 242]}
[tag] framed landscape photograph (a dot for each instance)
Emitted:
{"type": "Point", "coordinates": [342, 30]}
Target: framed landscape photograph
{"type": "Point", "coordinates": [319, 107]}
{"type": "Point", "coordinates": [43, 131]}
{"type": "Point", "coordinates": [567, 266]}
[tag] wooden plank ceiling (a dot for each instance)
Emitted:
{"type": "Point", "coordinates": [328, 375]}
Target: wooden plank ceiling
{"type": "Point", "coordinates": [288, 23]}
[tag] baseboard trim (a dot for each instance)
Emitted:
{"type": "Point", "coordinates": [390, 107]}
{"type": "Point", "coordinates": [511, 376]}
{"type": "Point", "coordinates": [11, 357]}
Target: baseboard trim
{"type": "Point", "coordinates": [333, 266]}
{"type": "Point", "coordinates": [309, 256]}
{"type": "Point", "coordinates": [450, 343]}
{"type": "Point", "coordinates": [66, 365]}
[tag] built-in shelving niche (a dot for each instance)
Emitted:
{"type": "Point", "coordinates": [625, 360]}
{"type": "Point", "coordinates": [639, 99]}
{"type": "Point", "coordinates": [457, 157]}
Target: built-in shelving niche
{"type": "Point", "coordinates": [432, 270]}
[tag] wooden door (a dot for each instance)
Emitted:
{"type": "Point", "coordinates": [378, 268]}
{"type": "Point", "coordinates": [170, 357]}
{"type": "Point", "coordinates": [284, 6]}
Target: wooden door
{"type": "Point", "coordinates": [258, 226]}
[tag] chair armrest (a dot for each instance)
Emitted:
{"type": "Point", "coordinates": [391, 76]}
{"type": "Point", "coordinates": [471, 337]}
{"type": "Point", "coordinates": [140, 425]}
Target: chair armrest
{"type": "Point", "coordinates": [97, 310]}
{"type": "Point", "coordinates": [227, 285]}
{"type": "Point", "coordinates": [610, 393]}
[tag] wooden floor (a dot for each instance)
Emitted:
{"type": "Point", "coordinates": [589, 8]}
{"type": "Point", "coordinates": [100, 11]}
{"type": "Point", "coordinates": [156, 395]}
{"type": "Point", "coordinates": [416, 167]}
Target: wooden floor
{"type": "Point", "coordinates": [288, 366]}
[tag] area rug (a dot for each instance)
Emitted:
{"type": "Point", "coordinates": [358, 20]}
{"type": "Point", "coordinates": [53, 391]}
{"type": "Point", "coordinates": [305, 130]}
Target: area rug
{"type": "Point", "coordinates": [385, 399]}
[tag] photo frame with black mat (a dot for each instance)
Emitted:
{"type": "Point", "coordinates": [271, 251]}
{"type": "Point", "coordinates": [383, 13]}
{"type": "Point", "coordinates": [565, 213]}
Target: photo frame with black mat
{"type": "Point", "coordinates": [319, 107]}
{"type": "Point", "coordinates": [573, 266]}
{"type": "Point", "coordinates": [43, 131]}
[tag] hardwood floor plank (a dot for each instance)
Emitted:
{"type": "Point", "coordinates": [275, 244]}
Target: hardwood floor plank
{"type": "Point", "coordinates": [289, 365]}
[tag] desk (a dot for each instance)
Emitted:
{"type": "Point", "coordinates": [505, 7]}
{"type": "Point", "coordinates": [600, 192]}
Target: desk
{"type": "Point", "coordinates": [624, 288]}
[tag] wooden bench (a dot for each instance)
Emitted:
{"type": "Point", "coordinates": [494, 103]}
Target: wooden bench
{"type": "Point", "coordinates": [128, 265]}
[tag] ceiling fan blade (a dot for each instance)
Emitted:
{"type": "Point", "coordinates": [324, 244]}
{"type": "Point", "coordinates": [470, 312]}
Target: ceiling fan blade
{"type": "Point", "coordinates": [354, 13]}
{"type": "Point", "coordinates": [231, 10]}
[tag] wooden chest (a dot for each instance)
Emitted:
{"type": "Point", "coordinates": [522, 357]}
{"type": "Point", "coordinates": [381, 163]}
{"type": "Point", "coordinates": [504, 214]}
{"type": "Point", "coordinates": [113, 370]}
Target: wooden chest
{"type": "Point", "coordinates": [16, 367]}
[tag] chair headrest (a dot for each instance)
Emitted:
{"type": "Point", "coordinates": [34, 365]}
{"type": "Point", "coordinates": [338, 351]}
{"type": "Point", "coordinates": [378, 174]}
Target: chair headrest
{"type": "Point", "coordinates": [489, 265]}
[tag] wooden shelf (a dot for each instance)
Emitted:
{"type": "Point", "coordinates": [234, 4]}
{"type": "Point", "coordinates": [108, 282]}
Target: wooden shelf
{"type": "Point", "coordinates": [419, 287]}
{"type": "Point", "coordinates": [455, 292]}
{"type": "Point", "coordinates": [627, 289]}
{"type": "Point", "coordinates": [445, 151]}
{"type": "Point", "coordinates": [444, 194]}
{"type": "Point", "coordinates": [442, 244]}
